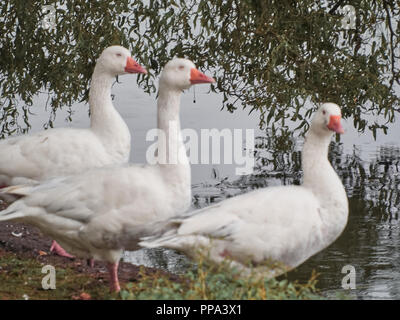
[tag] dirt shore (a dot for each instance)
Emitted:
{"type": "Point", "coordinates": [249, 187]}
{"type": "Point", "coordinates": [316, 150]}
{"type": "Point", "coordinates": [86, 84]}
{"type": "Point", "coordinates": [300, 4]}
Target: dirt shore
{"type": "Point", "coordinates": [28, 243]}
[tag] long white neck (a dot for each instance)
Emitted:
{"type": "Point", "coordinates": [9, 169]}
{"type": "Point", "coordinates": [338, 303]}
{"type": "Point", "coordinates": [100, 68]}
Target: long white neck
{"type": "Point", "coordinates": [321, 178]}
{"type": "Point", "coordinates": [174, 162]}
{"type": "Point", "coordinates": [105, 121]}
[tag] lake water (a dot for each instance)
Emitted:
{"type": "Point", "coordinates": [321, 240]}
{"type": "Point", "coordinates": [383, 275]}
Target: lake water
{"type": "Point", "coordinates": [368, 168]}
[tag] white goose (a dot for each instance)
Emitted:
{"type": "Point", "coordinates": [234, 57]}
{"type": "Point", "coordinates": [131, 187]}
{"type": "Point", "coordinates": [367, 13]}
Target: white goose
{"type": "Point", "coordinates": [65, 151]}
{"type": "Point", "coordinates": [286, 224]}
{"type": "Point", "coordinates": [100, 212]}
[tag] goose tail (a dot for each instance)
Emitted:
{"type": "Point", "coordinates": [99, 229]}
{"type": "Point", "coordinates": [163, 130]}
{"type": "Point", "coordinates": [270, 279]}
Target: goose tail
{"type": "Point", "coordinates": [10, 213]}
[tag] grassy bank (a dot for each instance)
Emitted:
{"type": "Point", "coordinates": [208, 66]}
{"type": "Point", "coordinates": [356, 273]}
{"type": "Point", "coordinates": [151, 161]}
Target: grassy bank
{"type": "Point", "coordinates": [21, 278]}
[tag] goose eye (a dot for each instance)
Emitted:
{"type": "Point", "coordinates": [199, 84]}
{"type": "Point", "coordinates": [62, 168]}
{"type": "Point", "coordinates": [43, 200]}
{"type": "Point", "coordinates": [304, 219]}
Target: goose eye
{"type": "Point", "coordinates": [323, 112]}
{"type": "Point", "coordinates": [118, 54]}
{"type": "Point", "coordinates": [181, 67]}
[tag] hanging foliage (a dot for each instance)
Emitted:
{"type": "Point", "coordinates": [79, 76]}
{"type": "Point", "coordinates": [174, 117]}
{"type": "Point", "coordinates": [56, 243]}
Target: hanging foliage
{"type": "Point", "coordinates": [270, 56]}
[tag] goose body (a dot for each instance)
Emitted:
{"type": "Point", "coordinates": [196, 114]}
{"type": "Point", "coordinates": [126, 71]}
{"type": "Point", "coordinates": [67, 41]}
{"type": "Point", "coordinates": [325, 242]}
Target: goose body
{"type": "Point", "coordinates": [285, 224]}
{"type": "Point", "coordinates": [58, 152]}
{"type": "Point", "coordinates": [100, 212]}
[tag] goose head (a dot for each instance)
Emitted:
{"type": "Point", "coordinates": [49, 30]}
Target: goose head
{"type": "Point", "coordinates": [327, 120]}
{"type": "Point", "coordinates": [180, 74]}
{"type": "Point", "coordinates": [117, 60]}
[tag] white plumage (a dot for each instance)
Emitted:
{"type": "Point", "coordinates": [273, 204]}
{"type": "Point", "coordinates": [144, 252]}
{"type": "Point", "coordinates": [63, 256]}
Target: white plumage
{"type": "Point", "coordinates": [64, 151]}
{"type": "Point", "coordinates": [286, 224]}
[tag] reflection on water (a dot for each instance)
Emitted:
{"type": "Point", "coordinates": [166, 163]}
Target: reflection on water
{"type": "Point", "coordinates": [371, 240]}
{"type": "Point", "coordinates": [159, 258]}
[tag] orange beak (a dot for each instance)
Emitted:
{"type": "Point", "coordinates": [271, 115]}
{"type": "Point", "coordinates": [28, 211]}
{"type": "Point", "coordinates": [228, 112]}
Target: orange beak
{"type": "Point", "coordinates": [335, 124]}
{"type": "Point", "coordinates": [199, 77]}
{"type": "Point", "coordinates": [133, 67]}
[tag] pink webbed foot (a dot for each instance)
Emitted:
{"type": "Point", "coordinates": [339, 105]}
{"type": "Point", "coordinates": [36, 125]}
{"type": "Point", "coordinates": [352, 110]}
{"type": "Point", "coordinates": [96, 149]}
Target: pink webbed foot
{"type": "Point", "coordinates": [58, 250]}
{"type": "Point", "coordinates": [113, 271]}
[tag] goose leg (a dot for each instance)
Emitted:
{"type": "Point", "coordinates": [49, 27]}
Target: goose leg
{"type": "Point", "coordinates": [113, 271]}
{"type": "Point", "coordinates": [58, 250]}
{"type": "Point", "coordinates": [90, 262]}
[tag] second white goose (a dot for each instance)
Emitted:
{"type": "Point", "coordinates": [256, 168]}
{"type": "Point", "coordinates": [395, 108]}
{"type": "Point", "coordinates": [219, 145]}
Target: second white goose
{"type": "Point", "coordinates": [99, 213]}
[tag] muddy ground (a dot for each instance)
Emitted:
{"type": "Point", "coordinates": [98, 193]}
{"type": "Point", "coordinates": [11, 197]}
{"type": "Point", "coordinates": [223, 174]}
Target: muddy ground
{"type": "Point", "coordinates": [28, 243]}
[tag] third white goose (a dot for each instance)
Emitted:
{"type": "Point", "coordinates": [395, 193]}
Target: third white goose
{"type": "Point", "coordinates": [286, 224]}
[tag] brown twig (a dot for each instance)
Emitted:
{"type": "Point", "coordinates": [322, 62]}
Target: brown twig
{"type": "Point", "coordinates": [392, 33]}
{"type": "Point", "coordinates": [334, 8]}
